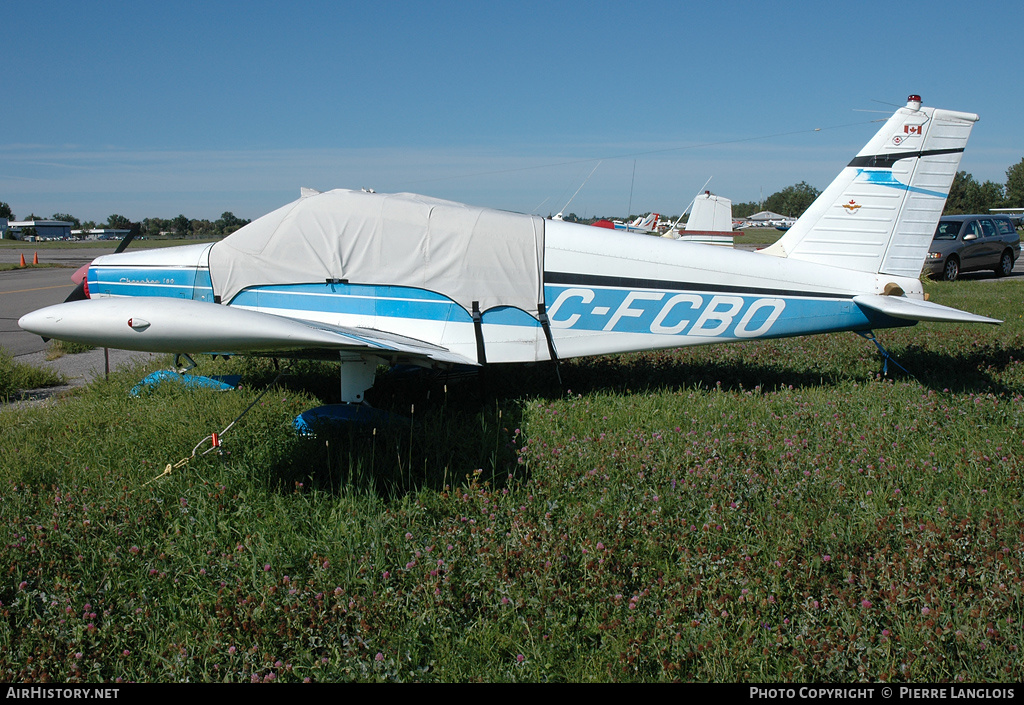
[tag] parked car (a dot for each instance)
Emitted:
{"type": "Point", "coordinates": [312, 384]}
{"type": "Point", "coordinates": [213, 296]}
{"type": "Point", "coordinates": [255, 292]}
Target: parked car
{"type": "Point", "coordinates": [969, 243]}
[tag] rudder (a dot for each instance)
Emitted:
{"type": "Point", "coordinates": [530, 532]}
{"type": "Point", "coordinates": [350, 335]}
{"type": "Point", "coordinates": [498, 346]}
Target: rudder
{"type": "Point", "coordinates": [880, 213]}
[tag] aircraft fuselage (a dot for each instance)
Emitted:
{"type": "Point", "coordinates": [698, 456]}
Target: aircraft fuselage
{"type": "Point", "coordinates": [606, 292]}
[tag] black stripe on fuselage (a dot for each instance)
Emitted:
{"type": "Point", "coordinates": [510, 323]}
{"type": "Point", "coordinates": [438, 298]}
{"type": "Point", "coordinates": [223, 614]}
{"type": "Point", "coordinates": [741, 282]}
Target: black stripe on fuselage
{"type": "Point", "coordinates": [887, 160]}
{"type": "Point", "coordinates": [574, 279]}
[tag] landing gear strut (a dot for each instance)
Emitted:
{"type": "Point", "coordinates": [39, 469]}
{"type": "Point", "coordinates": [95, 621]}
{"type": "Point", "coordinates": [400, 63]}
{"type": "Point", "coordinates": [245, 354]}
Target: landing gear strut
{"type": "Point", "coordinates": [357, 376]}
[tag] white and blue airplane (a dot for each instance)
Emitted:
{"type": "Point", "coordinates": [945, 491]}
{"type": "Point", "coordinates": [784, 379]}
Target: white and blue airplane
{"type": "Point", "coordinates": [643, 224]}
{"type": "Point", "coordinates": [367, 278]}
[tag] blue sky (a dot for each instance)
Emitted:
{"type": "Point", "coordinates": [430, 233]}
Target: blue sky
{"type": "Point", "coordinates": [156, 109]}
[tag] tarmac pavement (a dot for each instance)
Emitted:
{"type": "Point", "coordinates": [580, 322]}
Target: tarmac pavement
{"type": "Point", "coordinates": [25, 290]}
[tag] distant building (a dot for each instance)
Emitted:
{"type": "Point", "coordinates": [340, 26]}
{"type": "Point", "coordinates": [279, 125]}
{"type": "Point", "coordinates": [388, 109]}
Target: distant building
{"type": "Point", "coordinates": [768, 219]}
{"type": "Point", "coordinates": [44, 229]}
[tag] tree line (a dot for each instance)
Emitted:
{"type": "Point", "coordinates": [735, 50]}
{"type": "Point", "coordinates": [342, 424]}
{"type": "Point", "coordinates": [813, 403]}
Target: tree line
{"type": "Point", "coordinates": [178, 227]}
{"type": "Point", "coordinates": [966, 195]}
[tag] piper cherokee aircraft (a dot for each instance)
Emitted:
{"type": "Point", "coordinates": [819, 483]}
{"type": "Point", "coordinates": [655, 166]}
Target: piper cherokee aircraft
{"type": "Point", "coordinates": [368, 278]}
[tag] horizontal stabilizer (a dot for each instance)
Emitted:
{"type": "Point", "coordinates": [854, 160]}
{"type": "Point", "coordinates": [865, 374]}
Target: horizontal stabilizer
{"type": "Point", "coordinates": [913, 310]}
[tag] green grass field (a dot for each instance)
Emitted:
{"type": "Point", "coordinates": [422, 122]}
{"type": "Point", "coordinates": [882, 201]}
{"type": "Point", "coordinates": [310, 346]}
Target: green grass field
{"type": "Point", "coordinates": [16, 376]}
{"type": "Point", "coordinates": [770, 511]}
{"type": "Point", "coordinates": [762, 237]}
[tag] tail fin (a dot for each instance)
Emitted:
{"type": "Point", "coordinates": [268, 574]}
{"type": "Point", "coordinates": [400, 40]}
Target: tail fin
{"type": "Point", "coordinates": [880, 213]}
{"type": "Point", "coordinates": [710, 213]}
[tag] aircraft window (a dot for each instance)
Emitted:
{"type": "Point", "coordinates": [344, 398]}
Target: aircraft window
{"type": "Point", "coordinates": [947, 230]}
{"type": "Point", "coordinates": [989, 228]}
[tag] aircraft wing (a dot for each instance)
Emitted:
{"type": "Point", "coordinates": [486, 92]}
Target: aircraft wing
{"type": "Point", "coordinates": [385, 342]}
{"type": "Point", "coordinates": [913, 310]}
{"type": "Point", "coordinates": [157, 324]}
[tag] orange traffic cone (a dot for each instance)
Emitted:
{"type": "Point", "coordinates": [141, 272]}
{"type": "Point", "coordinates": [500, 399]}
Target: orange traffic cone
{"type": "Point", "coordinates": [35, 258]}
{"type": "Point", "coordinates": [22, 260]}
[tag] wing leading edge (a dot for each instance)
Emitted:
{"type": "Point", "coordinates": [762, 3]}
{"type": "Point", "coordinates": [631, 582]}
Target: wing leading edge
{"type": "Point", "coordinates": [163, 325]}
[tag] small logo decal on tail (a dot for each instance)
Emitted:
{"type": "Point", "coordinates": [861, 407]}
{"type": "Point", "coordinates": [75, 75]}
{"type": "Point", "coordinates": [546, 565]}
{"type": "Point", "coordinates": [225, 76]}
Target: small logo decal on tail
{"type": "Point", "coordinates": [851, 207]}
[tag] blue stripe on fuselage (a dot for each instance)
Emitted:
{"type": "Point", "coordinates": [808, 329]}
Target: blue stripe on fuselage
{"type": "Point", "coordinates": [703, 314]}
{"type": "Point", "coordinates": [717, 313]}
{"type": "Point", "coordinates": [353, 299]}
{"type": "Point", "coordinates": [370, 300]}
{"type": "Point", "coordinates": [143, 281]}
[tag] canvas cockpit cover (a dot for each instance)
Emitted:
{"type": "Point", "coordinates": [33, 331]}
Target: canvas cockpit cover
{"type": "Point", "coordinates": [466, 253]}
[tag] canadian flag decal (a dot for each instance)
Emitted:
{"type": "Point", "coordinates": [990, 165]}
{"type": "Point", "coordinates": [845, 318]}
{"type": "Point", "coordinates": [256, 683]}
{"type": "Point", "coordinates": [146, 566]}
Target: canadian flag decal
{"type": "Point", "coordinates": [913, 129]}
